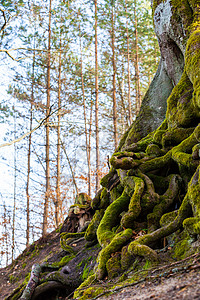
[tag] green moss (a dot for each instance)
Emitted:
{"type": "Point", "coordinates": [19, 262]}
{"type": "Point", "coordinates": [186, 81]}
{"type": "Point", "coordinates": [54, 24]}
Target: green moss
{"type": "Point", "coordinates": [116, 192]}
{"type": "Point", "coordinates": [147, 265]}
{"type": "Point", "coordinates": [24, 265]}
{"type": "Point", "coordinates": [181, 153]}
{"type": "Point", "coordinates": [115, 245]}
{"type": "Point", "coordinates": [183, 9]}
{"type": "Point", "coordinates": [105, 180]}
{"type": "Point", "coordinates": [134, 186]}
{"type": "Point", "coordinates": [126, 258]}
{"type": "Point", "coordinates": [157, 138]}
{"type": "Point", "coordinates": [83, 199]}
{"type": "Point", "coordinates": [79, 292]}
{"type": "Point", "coordinates": [13, 279]}
{"type": "Point", "coordinates": [64, 240]}
{"type": "Point", "coordinates": [165, 202]}
{"type": "Point", "coordinates": [95, 203]}
{"type": "Point", "coordinates": [154, 150]}
{"type": "Point", "coordinates": [90, 234]}
{"type": "Point", "coordinates": [64, 260]}
{"type": "Point", "coordinates": [175, 136]}
{"type": "Point", "coordinates": [180, 109]}
{"type": "Point", "coordinates": [113, 266]}
{"type": "Point", "coordinates": [111, 219]}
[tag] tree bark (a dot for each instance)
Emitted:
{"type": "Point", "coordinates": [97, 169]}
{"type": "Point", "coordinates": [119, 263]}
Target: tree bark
{"type": "Point", "coordinates": [114, 78]}
{"type": "Point", "coordinates": [58, 203]}
{"type": "Point", "coordinates": [96, 101]}
{"type": "Point", "coordinates": [137, 73]}
{"type": "Point", "coordinates": [128, 68]}
{"type": "Point", "coordinates": [47, 146]}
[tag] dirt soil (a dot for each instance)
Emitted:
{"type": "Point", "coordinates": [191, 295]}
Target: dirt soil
{"type": "Point", "coordinates": [13, 275]}
{"type": "Point", "coordinates": [185, 285]}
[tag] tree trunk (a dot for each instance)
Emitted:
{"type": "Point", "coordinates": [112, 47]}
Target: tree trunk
{"type": "Point", "coordinates": [85, 119]}
{"type": "Point", "coordinates": [128, 69]}
{"type": "Point", "coordinates": [29, 156]}
{"type": "Point", "coordinates": [114, 78]}
{"type": "Point", "coordinates": [96, 102]}
{"type": "Point", "coordinates": [47, 146]}
{"type": "Point", "coordinates": [14, 190]}
{"type": "Point", "coordinates": [58, 203]}
{"type": "Point", "coordinates": [137, 73]}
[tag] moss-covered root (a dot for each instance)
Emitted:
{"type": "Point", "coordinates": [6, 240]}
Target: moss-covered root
{"type": "Point", "coordinates": [134, 209]}
{"type": "Point", "coordinates": [65, 237]}
{"type": "Point", "coordinates": [181, 153]}
{"type": "Point", "coordinates": [156, 163]}
{"type": "Point", "coordinates": [192, 225]}
{"type": "Point", "coordinates": [165, 201]}
{"type": "Point", "coordinates": [33, 282]}
{"type": "Point", "coordinates": [116, 244]}
{"type": "Point", "coordinates": [111, 219]}
{"type": "Point", "coordinates": [91, 234]}
{"type": "Point", "coordinates": [125, 160]}
{"type": "Point", "coordinates": [141, 245]}
{"type": "Point", "coordinates": [149, 198]}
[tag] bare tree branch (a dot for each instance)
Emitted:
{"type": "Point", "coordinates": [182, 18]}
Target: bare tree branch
{"type": "Point", "coordinates": [41, 123]}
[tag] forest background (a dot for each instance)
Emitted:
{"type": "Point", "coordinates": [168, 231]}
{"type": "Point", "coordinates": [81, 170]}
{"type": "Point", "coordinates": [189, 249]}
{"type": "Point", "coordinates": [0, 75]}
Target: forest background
{"type": "Point", "coordinates": [73, 74]}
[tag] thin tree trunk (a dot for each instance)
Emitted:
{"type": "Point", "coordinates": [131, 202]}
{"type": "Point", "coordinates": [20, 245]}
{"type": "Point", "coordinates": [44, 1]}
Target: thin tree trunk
{"type": "Point", "coordinates": [114, 79]}
{"type": "Point", "coordinates": [85, 119]}
{"type": "Point", "coordinates": [29, 156]}
{"type": "Point", "coordinates": [89, 152]}
{"type": "Point", "coordinates": [5, 233]}
{"type": "Point", "coordinates": [14, 192]}
{"type": "Point", "coordinates": [137, 75]}
{"type": "Point", "coordinates": [96, 103]}
{"type": "Point", "coordinates": [58, 177]}
{"type": "Point", "coordinates": [128, 69]}
{"type": "Point", "coordinates": [27, 182]}
{"type": "Point", "coordinates": [45, 215]}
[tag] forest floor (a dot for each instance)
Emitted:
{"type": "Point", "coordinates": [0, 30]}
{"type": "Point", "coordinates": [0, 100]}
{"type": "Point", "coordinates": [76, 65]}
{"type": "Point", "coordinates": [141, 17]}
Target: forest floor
{"type": "Point", "coordinates": [183, 284]}
{"type": "Point", "coordinates": [170, 280]}
{"type": "Point", "coordinates": [14, 274]}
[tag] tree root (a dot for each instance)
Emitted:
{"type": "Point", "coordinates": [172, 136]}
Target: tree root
{"type": "Point", "coordinates": [115, 245]}
{"type": "Point", "coordinates": [110, 219]}
{"type": "Point", "coordinates": [134, 209]}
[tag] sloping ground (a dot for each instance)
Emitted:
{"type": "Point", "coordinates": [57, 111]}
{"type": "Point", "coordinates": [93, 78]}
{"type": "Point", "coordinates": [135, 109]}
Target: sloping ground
{"type": "Point", "coordinates": [176, 280]}
{"type": "Point", "coordinates": [170, 280]}
{"type": "Point", "coordinates": [181, 285]}
{"type": "Point", "coordinates": [13, 275]}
